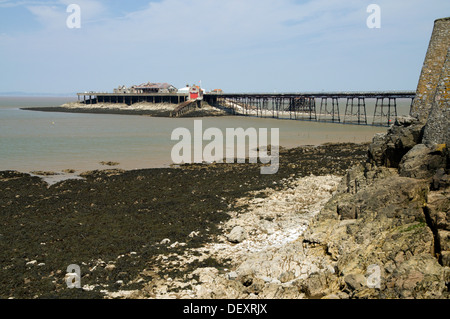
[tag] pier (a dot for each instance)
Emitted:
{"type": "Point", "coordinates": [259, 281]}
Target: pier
{"type": "Point", "coordinates": [312, 106]}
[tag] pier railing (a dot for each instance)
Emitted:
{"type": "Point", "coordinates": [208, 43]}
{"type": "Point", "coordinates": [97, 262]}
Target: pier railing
{"type": "Point", "coordinates": [321, 107]}
{"type": "Point", "coordinates": [184, 108]}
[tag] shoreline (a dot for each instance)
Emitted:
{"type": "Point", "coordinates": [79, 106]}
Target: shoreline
{"type": "Point", "coordinates": [54, 176]}
{"type": "Point", "coordinates": [124, 226]}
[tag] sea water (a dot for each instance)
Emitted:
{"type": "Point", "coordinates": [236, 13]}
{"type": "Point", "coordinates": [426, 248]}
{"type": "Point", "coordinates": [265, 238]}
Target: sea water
{"type": "Point", "coordinates": [52, 141]}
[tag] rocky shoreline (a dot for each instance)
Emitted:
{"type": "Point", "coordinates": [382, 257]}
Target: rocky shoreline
{"type": "Point", "coordinates": [331, 224]}
{"type": "Point", "coordinates": [259, 248]}
{"type": "Point", "coordinates": [143, 109]}
{"type": "Point", "coordinates": [128, 230]}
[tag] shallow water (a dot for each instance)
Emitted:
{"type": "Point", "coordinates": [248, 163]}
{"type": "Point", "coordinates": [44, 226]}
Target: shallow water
{"type": "Point", "coordinates": [48, 141]}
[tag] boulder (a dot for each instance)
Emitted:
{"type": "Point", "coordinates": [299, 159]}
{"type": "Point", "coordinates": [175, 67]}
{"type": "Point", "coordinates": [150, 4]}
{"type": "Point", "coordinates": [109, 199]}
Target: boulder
{"type": "Point", "coordinates": [377, 149]}
{"type": "Point", "coordinates": [355, 281]}
{"type": "Point", "coordinates": [441, 179]}
{"type": "Point", "coordinates": [387, 149]}
{"type": "Point", "coordinates": [238, 234]}
{"type": "Point", "coordinates": [421, 162]}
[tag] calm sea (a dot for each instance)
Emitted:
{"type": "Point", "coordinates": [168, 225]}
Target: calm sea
{"type": "Point", "coordinates": [51, 141]}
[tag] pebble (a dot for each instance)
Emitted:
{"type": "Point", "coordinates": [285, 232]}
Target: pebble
{"type": "Point", "coordinates": [165, 241]}
{"type": "Point", "coordinates": [232, 275]}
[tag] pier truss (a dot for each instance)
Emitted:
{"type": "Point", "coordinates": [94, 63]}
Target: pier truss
{"type": "Point", "coordinates": [385, 112]}
{"type": "Point", "coordinates": [320, 107]}
{"type": "Point", "coordinates": [355, 112]}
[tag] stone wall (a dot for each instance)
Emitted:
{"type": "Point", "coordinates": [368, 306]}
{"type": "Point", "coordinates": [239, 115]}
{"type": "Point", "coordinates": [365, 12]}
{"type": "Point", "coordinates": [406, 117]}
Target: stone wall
{"type": "Point", "coordinates": [432, 68]}
{"type": "Point", "coordinates": [437, 129]}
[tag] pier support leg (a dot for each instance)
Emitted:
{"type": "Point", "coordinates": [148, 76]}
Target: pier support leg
{"type": "Point", "coordinates": [335, 104]}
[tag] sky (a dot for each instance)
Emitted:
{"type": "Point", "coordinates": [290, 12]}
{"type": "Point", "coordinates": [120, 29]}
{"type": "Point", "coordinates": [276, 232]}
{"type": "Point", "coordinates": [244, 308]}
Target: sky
{"type": "Point", "coordinates": [233, 45]}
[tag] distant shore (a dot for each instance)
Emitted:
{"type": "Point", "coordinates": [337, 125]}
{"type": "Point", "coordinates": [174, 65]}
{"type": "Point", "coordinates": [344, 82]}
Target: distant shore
{"type": "Point", "coordinates": [143, 109]}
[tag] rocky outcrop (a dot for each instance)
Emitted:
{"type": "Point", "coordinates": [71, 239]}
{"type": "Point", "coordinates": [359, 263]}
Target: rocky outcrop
{"type": "Point", "coordinates": [390, 231]}
{"type": "Point", "coordinates": [422, 162]}
{"type": "Point", "coordinates": [387, 149]}
{"type": "Point", "coordinates": [386, 231]}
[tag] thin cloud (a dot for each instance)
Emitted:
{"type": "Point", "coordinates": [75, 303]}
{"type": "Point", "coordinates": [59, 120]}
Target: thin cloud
{"type": "Point", "coordinates": [11, 4]}
{"type": "Point", "coordinates": [251, 44]}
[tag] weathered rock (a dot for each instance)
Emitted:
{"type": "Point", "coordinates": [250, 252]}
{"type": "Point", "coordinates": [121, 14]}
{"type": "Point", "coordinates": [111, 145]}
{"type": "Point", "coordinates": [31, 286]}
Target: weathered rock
{"type": "Point", "coordinates": [417, 277]}
{"type": "Point", "coordinates": [390, 231]}
{"type": "Point", "coordinates": [377, 149]}
{"type": "Point", "coordinates": [355, 281]}
{"type": "Point", "coordinates": [408, 237]}
{"type": "Point", "coordinates": [441, 179]}
{"type": "Point", "coordinates": [405, 120]}
{"type": "Point", "coordinates": [388, 149]}
{"type": "Point", "coordinates": [445, 258]}
{"type": "Point", "coordinates": [438, 209]}
{"type": "Point", "coordinates": [317, 285]}
{"type": "Point", "coordinates": [273, 263]}
{"type": "Point", "coordinates": [206, 275]}
{"type": "Point", "coordinates": [347, 211]}
{"type": "Point", "coordinates": [232, 275]}
{"type": "Point", "coordinates": [237, 234]}
{"type": "Point", "coordinates": [359, 176]}
{"type": "Point", "coordinates": [444, 239]}
{"type": "Point", "coordinates": [286, 276]}
{"type": "Point", "coordinates": [421, 162]}
{"type": "Point", "coordinates": [267, 264]}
